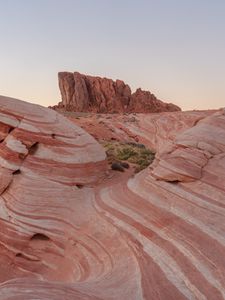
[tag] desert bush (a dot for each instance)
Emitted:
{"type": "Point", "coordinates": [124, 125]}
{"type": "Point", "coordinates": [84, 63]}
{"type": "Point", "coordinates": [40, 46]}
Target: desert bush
{"type": "Point", "coordinates": [133, 153]}
{"type": "Point", "coordinates": [126, 153]}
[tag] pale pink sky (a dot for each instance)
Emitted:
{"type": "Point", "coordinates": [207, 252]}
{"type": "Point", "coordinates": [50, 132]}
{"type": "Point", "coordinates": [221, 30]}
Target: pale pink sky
{"type": "Point", "coordinates": [174, 48]}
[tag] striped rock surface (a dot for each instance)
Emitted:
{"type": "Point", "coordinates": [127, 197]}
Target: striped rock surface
{"type": "Point", "coordinates": [68, 234]}
{"type": "Point", "coordinates": [154, 130]}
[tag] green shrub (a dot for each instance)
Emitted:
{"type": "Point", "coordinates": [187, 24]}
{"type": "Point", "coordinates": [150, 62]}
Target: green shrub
{"type": "Point", "coordinates": [126, 153]}
{"type": "Point", "coordinates": [136, 154]}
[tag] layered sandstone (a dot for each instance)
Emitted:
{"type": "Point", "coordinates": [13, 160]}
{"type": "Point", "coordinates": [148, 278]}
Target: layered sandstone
{"type": "Point", "coordinates": [69, 231]}
{"type": "Point", "coordinates": [153, 130]}
{"type": "Point", "coordinates": [193, 150]}
{"type": "Point", "coordinates": [84, 93]}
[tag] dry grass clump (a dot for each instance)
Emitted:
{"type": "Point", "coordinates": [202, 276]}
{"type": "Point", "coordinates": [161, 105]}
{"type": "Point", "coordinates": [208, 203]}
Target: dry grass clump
{"type": "Point", "coordinates": [133, 153]}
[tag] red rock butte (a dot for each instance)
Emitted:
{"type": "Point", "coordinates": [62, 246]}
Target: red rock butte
{"type": "Point", "coordinates": [69, 232]}
{"type": "Point", "coordinates": [83, 93]}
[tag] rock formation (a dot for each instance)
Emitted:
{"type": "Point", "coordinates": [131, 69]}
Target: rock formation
{"type": "Point", "coordinates": [84, 93]}
{"type": "Point", "coordinates": [193, 151]}
{"type": "Point", "coordinates": [70, 232]}
{"type": "Point", "coordinates": [155, 131]}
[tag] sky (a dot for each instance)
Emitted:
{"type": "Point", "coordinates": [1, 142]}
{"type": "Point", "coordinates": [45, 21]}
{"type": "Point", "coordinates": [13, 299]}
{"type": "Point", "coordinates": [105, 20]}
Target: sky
{"type": "Point", "coordinates": [174, 48]}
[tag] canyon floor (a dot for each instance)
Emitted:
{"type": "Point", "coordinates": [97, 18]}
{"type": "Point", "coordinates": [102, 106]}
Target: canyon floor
{"type": "Point", "coordinates": [72, 228]}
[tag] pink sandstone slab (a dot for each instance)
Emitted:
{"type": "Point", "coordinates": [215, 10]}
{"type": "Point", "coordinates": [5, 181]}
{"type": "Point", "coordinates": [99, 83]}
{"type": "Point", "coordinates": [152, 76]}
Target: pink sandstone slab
{"type": "Point", "coordinates": [69, 232]}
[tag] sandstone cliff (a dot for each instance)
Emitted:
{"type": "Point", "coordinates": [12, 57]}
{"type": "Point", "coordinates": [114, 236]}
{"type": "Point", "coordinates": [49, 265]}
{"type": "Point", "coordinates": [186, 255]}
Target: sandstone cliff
{"type": "Point", "coordinates": [84, 93]}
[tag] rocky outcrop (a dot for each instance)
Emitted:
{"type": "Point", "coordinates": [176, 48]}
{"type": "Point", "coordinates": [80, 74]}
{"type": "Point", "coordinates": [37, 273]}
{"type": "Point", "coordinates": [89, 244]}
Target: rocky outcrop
{"type": "Point", "coordinates": [46, 163]}
{"type": "Point", "coordinates": [191, 151]}
{"type": "Point", "coordinates": [146, 102]}
{"type": "Point", "coordinates": [84, 93]}
{"type": "Point", "coordinates": [69, 232]}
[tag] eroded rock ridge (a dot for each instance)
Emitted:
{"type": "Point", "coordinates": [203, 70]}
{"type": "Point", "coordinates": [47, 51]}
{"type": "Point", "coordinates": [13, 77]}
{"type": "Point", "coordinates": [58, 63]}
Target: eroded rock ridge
{"type": "Point", "coordinates": [83, 93]}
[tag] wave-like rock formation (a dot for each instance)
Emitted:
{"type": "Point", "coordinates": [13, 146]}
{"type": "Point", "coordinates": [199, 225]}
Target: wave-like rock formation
{"type": "Point", "coordinates": [83, 93]}
{"type": "Point", "coordinates": [68, 234]}
{"type": "Point", "coordinates": [155, 131]}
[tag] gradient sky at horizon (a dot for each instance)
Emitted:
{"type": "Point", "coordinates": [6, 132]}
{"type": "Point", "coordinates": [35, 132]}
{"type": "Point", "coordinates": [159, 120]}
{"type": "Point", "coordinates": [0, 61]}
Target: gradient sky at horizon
{"type": "Point", "coordinates": [174, 48]}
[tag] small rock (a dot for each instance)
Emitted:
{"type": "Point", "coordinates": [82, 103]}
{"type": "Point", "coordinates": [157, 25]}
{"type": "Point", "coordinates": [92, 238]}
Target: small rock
{"type": "Point", "coordinates": [125, 165]}
{"type": "Point", "coordinates": [116, 166]}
